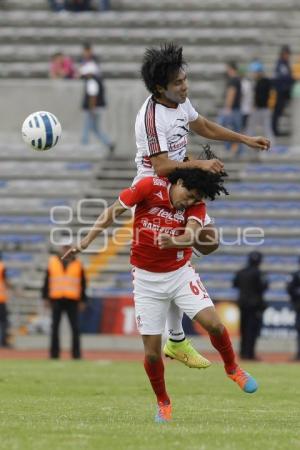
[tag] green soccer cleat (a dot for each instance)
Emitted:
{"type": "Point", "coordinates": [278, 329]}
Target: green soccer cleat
{"type": "Point", "coordinates": [184, 352]}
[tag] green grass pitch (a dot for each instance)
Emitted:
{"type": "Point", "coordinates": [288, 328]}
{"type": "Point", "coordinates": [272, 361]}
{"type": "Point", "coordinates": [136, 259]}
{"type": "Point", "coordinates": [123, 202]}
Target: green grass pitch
{"type": "Point", "coordinates": [74, 405]}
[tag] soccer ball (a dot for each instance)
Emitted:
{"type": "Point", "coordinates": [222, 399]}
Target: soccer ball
{"type": "Point", "coordinates": [41, 130]}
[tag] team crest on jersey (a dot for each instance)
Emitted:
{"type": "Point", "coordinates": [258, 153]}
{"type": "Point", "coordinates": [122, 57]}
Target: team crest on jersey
{"type": "Point", "coordinates": [179, 215]}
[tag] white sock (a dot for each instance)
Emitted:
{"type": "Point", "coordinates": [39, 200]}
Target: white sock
{"type": "Point", "coordinates": [174, 323]}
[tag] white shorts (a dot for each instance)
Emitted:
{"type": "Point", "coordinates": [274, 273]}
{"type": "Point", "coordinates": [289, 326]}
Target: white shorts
{"type": "Point", "coordinates": [153, 293]}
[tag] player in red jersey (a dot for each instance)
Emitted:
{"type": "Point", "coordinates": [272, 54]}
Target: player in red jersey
{"type": "Point", "coordinates": [168, 217]}
{"type": "Point", "coordinates": [161, 130]}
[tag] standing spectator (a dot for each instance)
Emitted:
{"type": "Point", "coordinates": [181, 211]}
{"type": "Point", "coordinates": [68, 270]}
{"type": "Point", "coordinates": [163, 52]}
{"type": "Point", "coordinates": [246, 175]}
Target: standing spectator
{"type": "Point", "coordinates": [4, 285]}
{"type": "Point", "coordinates": [232, 116]}
{"type": "Point", "coordinates": [88, 55]}
{"type": "Point", "coordinates": [78, 5]}
{"type": "Point", "coordinates": [293, 289]}
{"type": "Point", "coordinates": [62, 66]}
{"type": "Point", "coordinates": [64, 289]}
{"type": "Point", "coordinates": [246, 99]}
{"type": "Point", "coordinates": [102, 5]}
{"type": "Point", "coordinates": [57, 5]}
{"type": "Point", "coordinates": [251, 283]}
{"type": "Point", "coordinates": [93, 104]}
{"type": "Point", "coordinates": [261, 114]}
{"type": "Point", "coordinates": [283, 82]}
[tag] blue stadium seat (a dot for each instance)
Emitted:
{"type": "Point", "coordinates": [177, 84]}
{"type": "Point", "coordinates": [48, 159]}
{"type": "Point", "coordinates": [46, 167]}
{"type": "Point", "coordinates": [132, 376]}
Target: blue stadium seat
{"type": "Point", "coordinates": [79, 166]}
{"type": "Point", "coordinates": [17, 256]}
{"type": "Point", "coordinates": [25, 220]}
{"type": "Point", "coordinates": [22, 239]}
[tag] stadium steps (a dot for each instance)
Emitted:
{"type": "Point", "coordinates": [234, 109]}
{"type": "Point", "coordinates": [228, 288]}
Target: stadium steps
{"type": "Point", "coordinates": [144, 5]}
{"type": "Point", "coordinates": [195, 5]}
{"type": "Point", "coordinates": [166, 19]}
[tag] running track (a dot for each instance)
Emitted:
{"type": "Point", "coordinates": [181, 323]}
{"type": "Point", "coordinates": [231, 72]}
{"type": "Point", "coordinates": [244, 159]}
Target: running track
{"type": "Point", "coordinates": [14, 354]}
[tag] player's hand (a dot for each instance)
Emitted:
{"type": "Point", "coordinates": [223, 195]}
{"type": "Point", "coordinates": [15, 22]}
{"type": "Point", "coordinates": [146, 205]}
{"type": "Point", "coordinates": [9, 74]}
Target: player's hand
{"type": "Point", "coordinates": [259, 142]}
{"type": "Point", "coordinates": [211, 165]}
{"type": "Point", "coordinates": [74, 250]}
{"type": "Point", "coordinates": [165, 241]}
{"type": "Point", "coordinates": [71, 252]}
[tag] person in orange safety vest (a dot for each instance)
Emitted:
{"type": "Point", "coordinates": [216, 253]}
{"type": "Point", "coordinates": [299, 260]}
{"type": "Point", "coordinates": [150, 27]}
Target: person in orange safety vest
{"type": "Point", "coordinates": [64, 290]}
{"type": "Point", "coordinates": [4, 285]}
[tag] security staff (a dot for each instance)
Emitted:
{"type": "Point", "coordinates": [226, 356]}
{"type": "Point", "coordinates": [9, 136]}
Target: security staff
{"type": "Point", "coordinates": [3, 308]}
{"type": "Point", "coordinates": [293, 289]}
{"type": "Point", "coordinates": [251, 283]}
{"type": "Point", "coordinates": [64, 289]}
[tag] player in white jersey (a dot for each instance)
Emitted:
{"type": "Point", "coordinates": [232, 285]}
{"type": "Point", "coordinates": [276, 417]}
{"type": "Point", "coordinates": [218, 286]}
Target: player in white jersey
{"type": "Point", "coordinates": [161, 129]}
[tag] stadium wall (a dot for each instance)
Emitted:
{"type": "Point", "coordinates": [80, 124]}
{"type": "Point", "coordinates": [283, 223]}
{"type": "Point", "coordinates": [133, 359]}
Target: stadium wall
{"type": "Point", "coordinates": [19, 98]}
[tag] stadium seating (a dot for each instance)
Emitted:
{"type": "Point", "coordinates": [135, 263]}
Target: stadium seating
{"type": "Point", "coordinates": [212, 33]}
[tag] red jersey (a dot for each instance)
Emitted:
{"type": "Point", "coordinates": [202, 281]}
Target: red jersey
{"type": "Point", "coordinates": [154, 214]}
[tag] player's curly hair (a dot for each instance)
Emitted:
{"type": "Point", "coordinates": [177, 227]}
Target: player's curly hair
{"type": "Point", "coordinates": [160, 65]}
{"type": "Point", "coordinates": [208, 185]}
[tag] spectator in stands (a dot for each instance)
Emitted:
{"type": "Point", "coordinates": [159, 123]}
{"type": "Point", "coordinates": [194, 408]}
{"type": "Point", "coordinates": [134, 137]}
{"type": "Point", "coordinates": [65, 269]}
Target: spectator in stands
{"type": "Point", "coordinates": [62, 66]}
{"type": "Point", "coordinates": [93, 104]}
{"type": "Point", "coordinates": [4, 286]}
{"type": "Point", "coordinates": [293, 289]}
{"type": "Point", "coordinates": [261, 114]}
{"type": "Point", "coordinates": [88, 55]}
{"type": "Point", "coordinates": [251, 283]}
{"type": "Point", "coordinates": [231, 116]}
{"type": "Point", "coordinates": [104, 5]}
{"type": "Point", "coordinates": [78, 5]}
{"type": "Point", "coordinates": [283, 82]}
{"type": "Point", "coordinates": [246, 98]}
{"type": "Point", "coordinates": [64, 291]}
{"type": "Point", "coordinates": [57, 5]}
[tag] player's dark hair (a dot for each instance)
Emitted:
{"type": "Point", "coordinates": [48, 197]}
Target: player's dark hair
{"type": "Point", "coordinates": [207, 184]}
{"type": "Point", "coordinates": [161, 65]}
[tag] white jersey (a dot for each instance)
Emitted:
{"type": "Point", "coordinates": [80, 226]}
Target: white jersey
{"type": "Point", "coordinates": [160, 129]}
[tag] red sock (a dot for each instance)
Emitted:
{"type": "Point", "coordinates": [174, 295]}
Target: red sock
{"type": "Point", "coordinates": [223, 344]}
{"type": "Point", "coordinates": [155, 371]}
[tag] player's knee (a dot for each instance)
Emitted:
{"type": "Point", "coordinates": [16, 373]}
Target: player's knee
{"type": "Point", "coordinates": [215, 327]}
{"type": "Point", "coordinates": [152, 356]}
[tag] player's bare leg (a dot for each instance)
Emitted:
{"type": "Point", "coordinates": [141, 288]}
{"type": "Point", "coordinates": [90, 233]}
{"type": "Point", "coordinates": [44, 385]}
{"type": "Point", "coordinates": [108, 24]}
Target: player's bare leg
{"type": "Point", "coordinates": [177, 346]}
{"type": "Point", "coordinates": [154, 368]}
{"type": "Point", "coordinates": [220, 339]}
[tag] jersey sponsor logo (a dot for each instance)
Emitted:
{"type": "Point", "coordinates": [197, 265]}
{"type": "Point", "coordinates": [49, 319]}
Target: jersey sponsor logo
{"type": "Point", "coordinates": [178, 216]}
{"type": "Point", "coordinates": [160, 229]}
{"type": "Point", "coordinates": [154, 211]}
{"type": "Point", "coordinates": [177, 145]}
{"type": "Point", "coordinates": [159, 182]}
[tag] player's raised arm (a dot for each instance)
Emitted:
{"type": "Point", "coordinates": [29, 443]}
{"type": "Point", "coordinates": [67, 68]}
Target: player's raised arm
{"type": "Point", "coordinates": [104, 221]}
{"type": "Point", "coordinates": [188, 239]}
{"type": "Point", "coordinates": [163, 166]}
{"type": "Point", "coordinates": [212, 130]}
